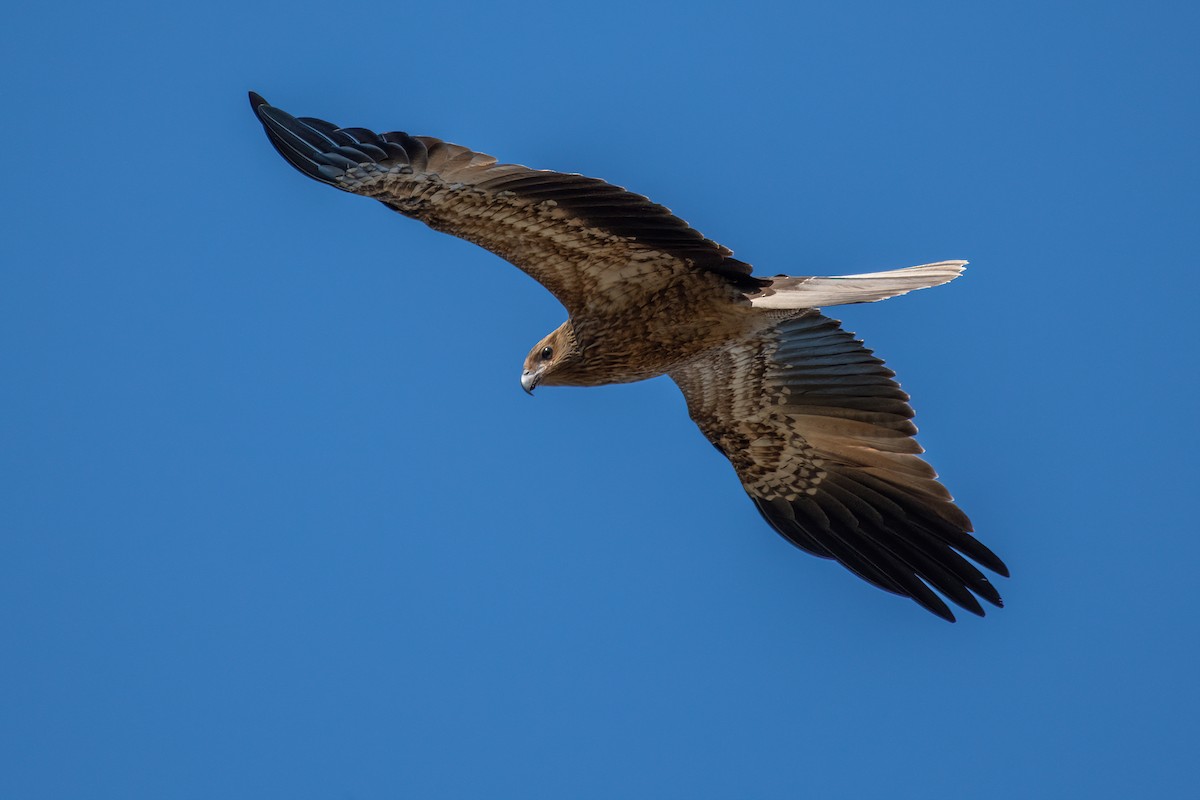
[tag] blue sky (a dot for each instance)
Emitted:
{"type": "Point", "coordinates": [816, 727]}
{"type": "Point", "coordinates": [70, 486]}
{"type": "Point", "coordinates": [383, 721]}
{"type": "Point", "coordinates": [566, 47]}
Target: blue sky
{"type": "Point", "coordinates": [278, 521]}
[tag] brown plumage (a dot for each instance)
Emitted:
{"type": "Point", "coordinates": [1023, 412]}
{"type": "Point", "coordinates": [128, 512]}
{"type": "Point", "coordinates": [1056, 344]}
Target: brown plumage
{"type": "Point", "coordinates": [815, 427]}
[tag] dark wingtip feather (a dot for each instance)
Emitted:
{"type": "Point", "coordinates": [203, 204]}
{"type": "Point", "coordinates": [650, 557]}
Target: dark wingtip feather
{"type": "Point", "coordinates": [874, 538]}
{"type": "Point", "coordinates": [304, 146]}
{"type": "Point", "coordinates": [832, 529]}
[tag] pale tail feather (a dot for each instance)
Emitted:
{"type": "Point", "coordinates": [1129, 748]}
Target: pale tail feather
{"type": "Point", "coordinates": [786, 292]}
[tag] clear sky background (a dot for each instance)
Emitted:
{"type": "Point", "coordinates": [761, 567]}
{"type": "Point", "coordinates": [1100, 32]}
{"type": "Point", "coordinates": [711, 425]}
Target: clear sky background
{"type": "Point", "coordinates": [279, 522]}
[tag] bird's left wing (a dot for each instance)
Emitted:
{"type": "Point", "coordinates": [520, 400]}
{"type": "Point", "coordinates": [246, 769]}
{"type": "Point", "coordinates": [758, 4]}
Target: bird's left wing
{"type": "Point", "coordinates": [590, 243]}
{"type": "Point", "coordinates": [822, 440]}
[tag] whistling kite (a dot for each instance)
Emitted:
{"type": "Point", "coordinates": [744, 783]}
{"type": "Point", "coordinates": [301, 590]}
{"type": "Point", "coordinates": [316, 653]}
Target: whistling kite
{"type": "Point", "coordinates": [818, 432]}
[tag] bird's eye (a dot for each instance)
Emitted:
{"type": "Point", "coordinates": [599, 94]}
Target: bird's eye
{"type": "Point", "coordinates": [547, 353]}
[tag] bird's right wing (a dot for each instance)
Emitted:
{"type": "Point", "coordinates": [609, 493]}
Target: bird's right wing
{"type": "Point", "coordinates": [590, 243]}
{"type": "Point", "coordinates": [822, 440]}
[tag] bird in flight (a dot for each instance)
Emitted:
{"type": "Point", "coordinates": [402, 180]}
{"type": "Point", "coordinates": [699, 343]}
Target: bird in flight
{"type": "Point", "coordinates": [817, 430]}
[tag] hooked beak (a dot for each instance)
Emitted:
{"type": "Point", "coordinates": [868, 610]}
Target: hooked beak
{"type": "Point", "coordinates": [530, 380]}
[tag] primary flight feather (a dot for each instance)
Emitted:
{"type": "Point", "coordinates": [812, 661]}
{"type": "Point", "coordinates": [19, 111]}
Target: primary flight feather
{"type": "Point", "coordinates": [816, 429]}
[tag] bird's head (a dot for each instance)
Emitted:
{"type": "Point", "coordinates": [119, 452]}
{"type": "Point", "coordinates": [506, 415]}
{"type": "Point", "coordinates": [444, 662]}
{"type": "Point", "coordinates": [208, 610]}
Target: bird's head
{"type": "Point", "coordinates": [551, 360]}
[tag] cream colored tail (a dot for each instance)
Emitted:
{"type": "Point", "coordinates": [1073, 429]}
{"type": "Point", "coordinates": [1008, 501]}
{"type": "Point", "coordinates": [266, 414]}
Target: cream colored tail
{"type": "Point", "coordinates": [785, 292]}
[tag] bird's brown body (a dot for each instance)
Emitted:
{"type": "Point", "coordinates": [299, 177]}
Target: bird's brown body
{"type": "Point", "coordinates": [665, 340]}
{"type": "Point", "coordinates": [819, 434]}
